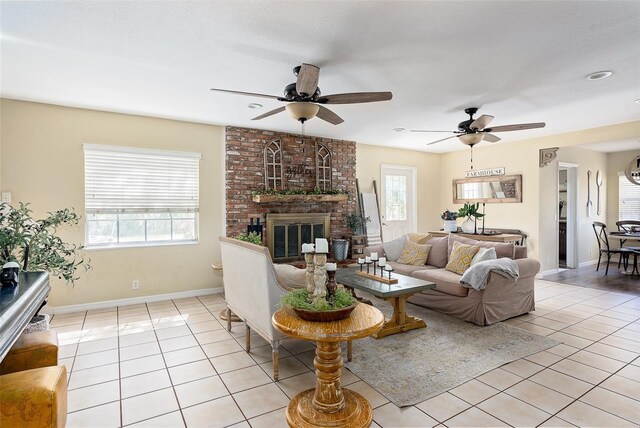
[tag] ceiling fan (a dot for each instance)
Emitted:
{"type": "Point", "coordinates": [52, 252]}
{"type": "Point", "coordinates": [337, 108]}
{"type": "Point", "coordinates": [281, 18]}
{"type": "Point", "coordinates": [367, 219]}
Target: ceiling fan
{"type": "Point", "coordinates": [305, 100]}
{"type": "Point", "coordinates": [473, 131]}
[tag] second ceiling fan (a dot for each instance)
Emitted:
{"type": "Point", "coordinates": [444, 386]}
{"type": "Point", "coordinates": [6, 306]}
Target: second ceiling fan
{"type": "Point", "coordinates": [305, 100]}
{"type": "Point", "coordinates": [472, 131]}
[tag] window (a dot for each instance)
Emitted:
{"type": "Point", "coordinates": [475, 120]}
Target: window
{"type": "Point", "coordinates": [139, 197]}
{"type": "Point", "coordinates": [628, 199]}
{"type": "Point", "coordinates": [396, 197]}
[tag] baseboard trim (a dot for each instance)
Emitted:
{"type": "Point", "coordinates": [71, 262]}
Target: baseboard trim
{"type": "Point", "coordinates": [130, 301]}
{"type": "Point", "coordinates": [540, 275]}
{"type": "Point", "coordinates": [588, 263]}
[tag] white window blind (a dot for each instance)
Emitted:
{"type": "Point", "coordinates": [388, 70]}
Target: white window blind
{"type": "Point", "coordinates": [140, 196]}
{"type": "Point", "coordinates": [628, 198]}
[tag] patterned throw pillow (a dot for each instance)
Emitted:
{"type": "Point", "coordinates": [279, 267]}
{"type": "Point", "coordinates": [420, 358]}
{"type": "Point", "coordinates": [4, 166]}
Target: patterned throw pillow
{"type": "Point", "coordinates": [414, 254]}
{"type": "Point", "coordinates": [461, 257]}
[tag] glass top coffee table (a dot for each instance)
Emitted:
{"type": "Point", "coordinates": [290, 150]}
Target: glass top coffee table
{"type": "Point", "coordinates": [396, 294]}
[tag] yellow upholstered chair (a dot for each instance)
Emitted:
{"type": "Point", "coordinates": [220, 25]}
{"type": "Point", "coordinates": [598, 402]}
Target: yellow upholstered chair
{"type": "Point", "coordinates": [31, 351]}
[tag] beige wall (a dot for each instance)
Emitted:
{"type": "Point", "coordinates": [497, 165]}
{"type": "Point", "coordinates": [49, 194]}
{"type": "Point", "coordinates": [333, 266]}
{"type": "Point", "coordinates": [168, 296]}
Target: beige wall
{"type": "Point", "coordinates": [42, 163]}
{"type": "Point", "coordinates": [369, 160]}
{"type": "Point", "coordinates": [617, 162]}
{"type": "Point", "coordinates": [521, 157]}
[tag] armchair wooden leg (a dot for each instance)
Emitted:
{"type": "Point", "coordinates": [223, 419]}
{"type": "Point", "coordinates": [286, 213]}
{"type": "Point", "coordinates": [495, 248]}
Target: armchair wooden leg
{"type": "Point", "coordinates": [228, 319]}
{"type": "Point", "coordinates": [247, 336]}
{"type": "Point", "coordinates": [274, 353]}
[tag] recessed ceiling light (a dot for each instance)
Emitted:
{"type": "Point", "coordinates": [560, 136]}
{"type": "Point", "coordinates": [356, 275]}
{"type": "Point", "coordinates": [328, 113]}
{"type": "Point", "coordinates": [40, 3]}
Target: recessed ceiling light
{"type": "Point", "coordinates": [399, 129]}
{"type": "Point", "coordinates": [638, 100]}
{"type": "Point", "coordinates": [255, 105]}
{"type": "Point", "coordinates": [599, 75]}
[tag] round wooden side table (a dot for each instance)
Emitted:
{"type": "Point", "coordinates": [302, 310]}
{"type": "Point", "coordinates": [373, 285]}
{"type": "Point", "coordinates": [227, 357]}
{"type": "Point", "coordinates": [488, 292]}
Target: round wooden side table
{"type": "Point", "coordinates": [329, 405]}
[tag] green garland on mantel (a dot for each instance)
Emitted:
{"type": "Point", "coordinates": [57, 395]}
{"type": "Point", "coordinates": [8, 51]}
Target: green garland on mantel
{"type": "Point", "coordinates": [315, 191]}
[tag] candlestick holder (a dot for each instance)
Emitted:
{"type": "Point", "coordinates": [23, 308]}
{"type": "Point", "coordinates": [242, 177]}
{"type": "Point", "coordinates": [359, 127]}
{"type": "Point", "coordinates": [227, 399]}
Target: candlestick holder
{"type": "Point", "coordinates": [368, 264]}
{"type": "Point", "coordinates": [389, 271]}
{"type": "Point", "coordinates": [331, 285]}
{"type": "Point", "coordinates": [311, 266]}
{"type": "Point", "coordinates": [320, 276]}
{"type": "Point", "coordinates": [361, 265]}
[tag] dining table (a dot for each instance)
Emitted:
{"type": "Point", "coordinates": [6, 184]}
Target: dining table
{"type": "Point", "coordinates": [623, 236]}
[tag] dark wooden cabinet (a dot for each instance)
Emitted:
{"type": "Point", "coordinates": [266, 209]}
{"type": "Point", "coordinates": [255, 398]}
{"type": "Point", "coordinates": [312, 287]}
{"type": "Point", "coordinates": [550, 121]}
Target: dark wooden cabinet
{"type": "Point", "coordinates": [562, 241]}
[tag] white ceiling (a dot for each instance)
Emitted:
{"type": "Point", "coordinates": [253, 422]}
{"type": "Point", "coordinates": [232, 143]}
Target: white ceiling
{"type": "Point", "coordinates": [520, 61]}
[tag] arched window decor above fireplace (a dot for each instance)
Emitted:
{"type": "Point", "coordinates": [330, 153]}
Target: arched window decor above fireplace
{"type": "Point", "coordinates": [323, 167]}
{"type": "Point", "coordinates": [273, 170]}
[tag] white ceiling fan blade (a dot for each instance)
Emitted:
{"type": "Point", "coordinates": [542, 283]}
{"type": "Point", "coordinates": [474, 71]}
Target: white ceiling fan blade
{"type": "Point", "coordinates": [491, 138]}
{"type": "Point", "coordinates": [481, 122]}
{"type": "Point", "coordinates": [250, 94]}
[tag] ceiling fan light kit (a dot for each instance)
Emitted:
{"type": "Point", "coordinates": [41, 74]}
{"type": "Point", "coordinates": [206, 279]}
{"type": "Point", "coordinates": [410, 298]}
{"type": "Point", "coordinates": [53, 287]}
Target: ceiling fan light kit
{"type": "Point", "coordinates": [470, 139]}
{"type": "Point", "coordinates": [302, 111]}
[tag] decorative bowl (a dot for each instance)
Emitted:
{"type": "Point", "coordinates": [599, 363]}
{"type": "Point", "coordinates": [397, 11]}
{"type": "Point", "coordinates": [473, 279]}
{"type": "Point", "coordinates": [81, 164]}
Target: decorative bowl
{"type": "Point", "coordinates": [325, 316]}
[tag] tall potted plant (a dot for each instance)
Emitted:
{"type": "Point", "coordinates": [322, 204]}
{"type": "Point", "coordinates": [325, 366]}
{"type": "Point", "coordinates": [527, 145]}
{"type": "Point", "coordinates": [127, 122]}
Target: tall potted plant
{"type": "Point", "coordinates": [35, 244]}
{"type": "Point", "coordinates": [470, 211]}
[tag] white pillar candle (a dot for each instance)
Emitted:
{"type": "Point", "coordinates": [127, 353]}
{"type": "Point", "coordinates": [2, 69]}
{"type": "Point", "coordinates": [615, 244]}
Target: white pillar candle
{"type": "Point", "coordinates": [388, 267]}
{"type": "Point", "coordinates": [308, 248]}
{"type": "Point", "coordinates": [367, 259]}
{"type": "Point", "coordinates": [360, 261]}
{"type": "Point", "coordinates": [331, 266]}
{"type": "Point", "coordinates": [374, 256]}
{"type": "Point", "coordinates": [322, 245]}
{"type": "Point", "coordinates": [382, 261]}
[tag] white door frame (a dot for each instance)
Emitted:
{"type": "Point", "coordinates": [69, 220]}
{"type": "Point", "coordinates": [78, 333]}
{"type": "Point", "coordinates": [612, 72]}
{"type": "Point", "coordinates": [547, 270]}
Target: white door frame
{"type": "Point", "coordinates": [572, 213]}
{"type": "Point", "coordinates": [413, 226]}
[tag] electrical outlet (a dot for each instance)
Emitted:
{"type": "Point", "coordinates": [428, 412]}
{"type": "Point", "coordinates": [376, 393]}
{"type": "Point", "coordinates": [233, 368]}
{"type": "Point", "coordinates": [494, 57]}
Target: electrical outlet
{"type": "Point", "coordinates": [6, 197]}
{"type": "Point", "coordinates": [135, 285]}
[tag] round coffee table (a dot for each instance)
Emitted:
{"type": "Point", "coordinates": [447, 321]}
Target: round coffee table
{"type": "Point", "coordinates": [329, 405]}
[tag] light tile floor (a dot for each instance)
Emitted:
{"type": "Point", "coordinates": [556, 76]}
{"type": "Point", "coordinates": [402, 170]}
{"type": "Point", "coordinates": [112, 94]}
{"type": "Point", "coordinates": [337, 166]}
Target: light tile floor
{"type": "Point", "coordinates": [173, 364]}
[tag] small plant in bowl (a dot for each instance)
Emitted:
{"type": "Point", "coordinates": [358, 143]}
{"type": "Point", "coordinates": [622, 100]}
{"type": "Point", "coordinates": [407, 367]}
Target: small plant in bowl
{"type": "Point", "coordinates": [252, 237]}
{"type": "Point", "coordinates": [334, 309]}
{"type": "Point", "coordinates": [449, 215]}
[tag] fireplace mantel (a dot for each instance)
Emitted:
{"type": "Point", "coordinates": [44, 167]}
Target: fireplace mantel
{"type": "Point", "coordinates": [270, 199]}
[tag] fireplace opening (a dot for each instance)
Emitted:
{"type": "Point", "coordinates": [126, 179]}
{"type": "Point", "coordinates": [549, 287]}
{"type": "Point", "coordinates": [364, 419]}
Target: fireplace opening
{"type": "Point", "coordinates": [287, 232]}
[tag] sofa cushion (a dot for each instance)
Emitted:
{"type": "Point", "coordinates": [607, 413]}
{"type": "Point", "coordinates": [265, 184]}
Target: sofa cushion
{"type": "Point", "coordinates": [460, 258]}
{"type": "Point", "coordinates": [446, 282]}
{"type": "Point", "coordinates": [393, 249]}
{"type": "Point", "coordinates": [438, 255]}
{"type": "Point", "coordinates": [521, 252]}
{"type": "Point", "coordinates": [414, 254]}
{"type": "Point", "coordinates": [407, 270]}
{"type": "Point", "coordinates": [419, 238]}
{"type": "Point", "coordinates": [484, 254]}
{"type": "Point", "coordinates": [503, 249]}
{"type": "Point", "coordinates": [291, 276]}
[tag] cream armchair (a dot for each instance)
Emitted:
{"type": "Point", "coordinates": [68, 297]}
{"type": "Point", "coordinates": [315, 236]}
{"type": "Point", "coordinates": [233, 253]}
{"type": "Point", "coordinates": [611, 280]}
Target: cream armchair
{"type": "Point", "coordinates": [252, 290]}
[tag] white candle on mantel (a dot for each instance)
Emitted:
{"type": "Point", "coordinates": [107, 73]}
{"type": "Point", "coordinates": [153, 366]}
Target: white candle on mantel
{"type": "Point", "coordinates": [374, 256]}
{"type": "Point", "coordinates": [331, 266]}
{"type": "Point", "coordinates": [360, 261]}
{"type": "Point", "coordinates": [388, 267]}
{"type": "Point", "coordinates": [367, 259]}
{"type": "Point", "coordinates": [382, 261]}
{"type": "Point", "coordinates": [322, 245]}
{"type": "Point", "coordinates": [308, 248]}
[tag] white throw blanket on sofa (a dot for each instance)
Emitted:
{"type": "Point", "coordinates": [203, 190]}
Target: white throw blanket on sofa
{"type": "Point", "coordinates": [477, 275]}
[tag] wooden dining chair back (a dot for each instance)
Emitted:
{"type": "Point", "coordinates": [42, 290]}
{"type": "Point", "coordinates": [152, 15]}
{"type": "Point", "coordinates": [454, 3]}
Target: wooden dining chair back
{"type": "Point", "coordinates": [600, 230]}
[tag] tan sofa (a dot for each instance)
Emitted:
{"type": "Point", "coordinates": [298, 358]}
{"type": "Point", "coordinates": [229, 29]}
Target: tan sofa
{"type": "Point", "coordinates": [502, 298]}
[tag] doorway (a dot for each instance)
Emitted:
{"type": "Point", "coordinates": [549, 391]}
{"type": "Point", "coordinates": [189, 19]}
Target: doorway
{"type": "Point", "coordinates": [567, 215]}
{"type": "Point", "coordinates": [398, 200]}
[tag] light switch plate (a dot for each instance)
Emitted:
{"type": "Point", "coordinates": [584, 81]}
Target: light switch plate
{"type": "Point", "coordinates": [6, 197]}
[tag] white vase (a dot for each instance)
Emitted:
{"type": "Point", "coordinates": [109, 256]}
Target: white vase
{"type": "Point", "coordinates": [450, 226]}
{"type": "Point", "coordinates": [468, 226]}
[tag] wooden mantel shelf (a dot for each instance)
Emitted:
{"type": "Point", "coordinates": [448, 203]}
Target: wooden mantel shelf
{"type": "Point", "coordinates": [270, 199]}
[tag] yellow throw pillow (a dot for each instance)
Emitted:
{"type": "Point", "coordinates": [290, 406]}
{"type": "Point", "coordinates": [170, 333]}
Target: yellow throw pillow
{"type": "Point", "coordinates": [460, 258]}
{"type": "Point", "coordinates": [414, 254]}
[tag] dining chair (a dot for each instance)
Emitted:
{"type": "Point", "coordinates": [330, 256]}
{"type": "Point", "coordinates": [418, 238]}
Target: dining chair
{"type": "Point", "coordinates": [600, 230]}
{"type": "Point", "coordinates": [628, 226]}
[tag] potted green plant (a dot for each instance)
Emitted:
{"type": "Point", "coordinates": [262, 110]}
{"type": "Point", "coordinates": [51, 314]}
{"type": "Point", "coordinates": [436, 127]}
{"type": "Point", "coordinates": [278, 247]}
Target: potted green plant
{"type": "Point", "coordinates": [333, 308]}
{"type": "Point", "coordinates": [355, 222]}
{"type": "Point", "coordinates": [449, 218]}
{"type": "Point", "coordinates": [470, 211]}
{"type": "Point", "coordinates": [35, 244]}
{"type": "Point", "coordinates": [252, 237]}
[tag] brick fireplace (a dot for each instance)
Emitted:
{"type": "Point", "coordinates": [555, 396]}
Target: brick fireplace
{"type": "Point", "coordinates": [245, 173]}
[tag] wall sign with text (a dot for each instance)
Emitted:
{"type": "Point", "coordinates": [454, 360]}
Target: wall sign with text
{"type": "Point", "coordinates": [484, 172]}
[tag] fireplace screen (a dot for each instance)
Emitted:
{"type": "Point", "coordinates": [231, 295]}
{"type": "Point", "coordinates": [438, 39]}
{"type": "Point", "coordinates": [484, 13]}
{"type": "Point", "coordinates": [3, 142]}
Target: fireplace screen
{"type": "Point", "coordinates": [287, 232]}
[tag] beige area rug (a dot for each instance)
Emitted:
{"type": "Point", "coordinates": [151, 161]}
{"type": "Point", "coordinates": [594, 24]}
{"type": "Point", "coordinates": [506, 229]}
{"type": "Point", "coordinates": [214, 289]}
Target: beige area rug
{"type": "Point", "coordinates": [408, 368]}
